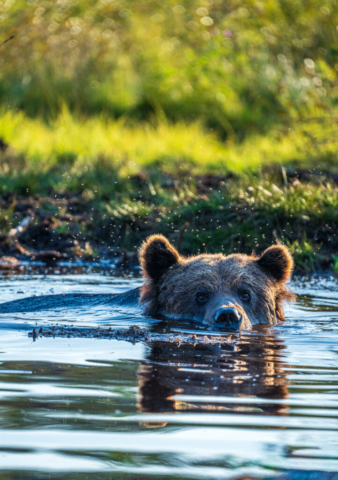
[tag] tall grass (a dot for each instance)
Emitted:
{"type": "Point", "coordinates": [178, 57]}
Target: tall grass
{"type": "Point", "coordinates": [70, 153]}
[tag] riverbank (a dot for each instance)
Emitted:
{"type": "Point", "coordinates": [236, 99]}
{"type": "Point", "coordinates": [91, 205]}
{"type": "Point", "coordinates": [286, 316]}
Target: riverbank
{"type": "Point", "coordinates": [201, 213]}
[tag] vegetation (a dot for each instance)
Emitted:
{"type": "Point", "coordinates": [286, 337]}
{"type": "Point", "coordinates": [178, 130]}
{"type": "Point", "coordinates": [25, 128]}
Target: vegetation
{"type": "Point", "coordinates": [141, 117]}
{"type": "Point", "coordinates": [240, 65]}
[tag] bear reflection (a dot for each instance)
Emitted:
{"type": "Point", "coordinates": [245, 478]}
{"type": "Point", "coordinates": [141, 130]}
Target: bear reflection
{"type": "Point", "coordinates": [190, 378]}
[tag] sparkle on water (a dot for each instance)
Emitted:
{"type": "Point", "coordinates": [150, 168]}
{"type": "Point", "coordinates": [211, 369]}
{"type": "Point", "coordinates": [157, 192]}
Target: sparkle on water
{"type": "Point", "coordinates": [90, 408]}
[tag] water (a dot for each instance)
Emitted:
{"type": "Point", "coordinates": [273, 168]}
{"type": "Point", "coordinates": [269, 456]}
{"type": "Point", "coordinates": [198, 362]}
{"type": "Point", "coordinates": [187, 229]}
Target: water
{"type": "Point", "coordinates": [103, 409]}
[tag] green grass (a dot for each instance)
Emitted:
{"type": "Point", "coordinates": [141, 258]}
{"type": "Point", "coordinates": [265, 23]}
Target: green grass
{"type": "Point", "coordinates": [98, 155]}
{"type": "Point", "coordinates": [239, 215]}
{"type": "Point", "coordinates": [137, 180]}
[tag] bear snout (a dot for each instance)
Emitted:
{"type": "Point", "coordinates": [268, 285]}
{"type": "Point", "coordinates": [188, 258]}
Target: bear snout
{"type": "Point", "coordinates": [227, 317]}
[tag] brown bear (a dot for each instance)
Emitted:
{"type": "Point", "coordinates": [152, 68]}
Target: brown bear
{"type": "Point", "coordinates": [234, 291]}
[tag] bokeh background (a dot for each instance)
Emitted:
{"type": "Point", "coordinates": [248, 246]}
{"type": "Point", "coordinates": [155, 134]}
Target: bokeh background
{"type": "Point", "coordinates": [124, 118]}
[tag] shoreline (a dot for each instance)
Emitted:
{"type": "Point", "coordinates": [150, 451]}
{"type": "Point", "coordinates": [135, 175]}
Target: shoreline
{"type": "Point", "coordinates": [210, 213]}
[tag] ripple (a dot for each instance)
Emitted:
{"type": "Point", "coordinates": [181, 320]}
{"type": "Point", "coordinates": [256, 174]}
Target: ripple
{"type": "Point", "coordinates": [85, 406]}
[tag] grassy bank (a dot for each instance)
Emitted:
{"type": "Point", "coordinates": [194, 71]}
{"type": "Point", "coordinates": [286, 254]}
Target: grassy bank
{"type": "Point", "coordinates": [96, 187]}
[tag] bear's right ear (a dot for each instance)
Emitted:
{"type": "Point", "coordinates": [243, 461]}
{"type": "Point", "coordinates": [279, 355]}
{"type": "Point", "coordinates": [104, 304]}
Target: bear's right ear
{"type": "Point", "coordinates": [277, 261]}
{"type": "Point", "coordinates": [157, 255]}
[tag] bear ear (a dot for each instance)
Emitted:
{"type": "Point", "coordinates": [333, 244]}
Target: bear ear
{"type": "Point", "coordinates": [157, 255]}
{"type": "Point", "coordinates": [277, 261]}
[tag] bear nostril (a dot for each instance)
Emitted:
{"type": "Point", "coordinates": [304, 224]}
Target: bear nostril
{"type": "Point", "coordinates": [227, 317]}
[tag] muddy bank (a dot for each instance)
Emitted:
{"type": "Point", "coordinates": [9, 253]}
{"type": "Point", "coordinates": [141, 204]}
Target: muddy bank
{"type": "Point", "coordinates": [210, 213]}
{"type": "Point", "coordinates": [51, 230]}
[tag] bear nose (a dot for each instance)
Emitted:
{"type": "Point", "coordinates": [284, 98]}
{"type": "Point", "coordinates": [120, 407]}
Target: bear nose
{"type": "Point", "coordinates": [227, 317]}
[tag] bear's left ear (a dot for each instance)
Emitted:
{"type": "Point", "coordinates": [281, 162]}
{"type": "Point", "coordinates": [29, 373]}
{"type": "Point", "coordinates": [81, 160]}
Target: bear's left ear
{"type": "Point", "coordinates": [277, 261]}
{"type": "Point", "coordinates": [157, 255]}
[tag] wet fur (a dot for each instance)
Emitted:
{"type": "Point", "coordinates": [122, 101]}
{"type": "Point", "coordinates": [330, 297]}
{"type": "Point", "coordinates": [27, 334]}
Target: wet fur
{"type": "Point", "coordinates": [172, 281]}
{"type": "Point", "coordinates": [172, 289]}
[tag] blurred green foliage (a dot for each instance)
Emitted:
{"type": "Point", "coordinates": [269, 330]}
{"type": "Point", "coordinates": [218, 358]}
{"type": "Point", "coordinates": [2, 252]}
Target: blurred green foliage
{"type": "Point", "coordinates": [240, 66]}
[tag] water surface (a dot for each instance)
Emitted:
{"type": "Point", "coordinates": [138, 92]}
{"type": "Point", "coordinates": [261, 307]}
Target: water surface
{"type": "Point", "coordinates": [93, 408]}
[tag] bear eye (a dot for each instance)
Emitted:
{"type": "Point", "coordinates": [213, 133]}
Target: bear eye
{"type": "Point", "coordinates": [202, 297]}
{"type": "Point", "coordinates": [245, 295]}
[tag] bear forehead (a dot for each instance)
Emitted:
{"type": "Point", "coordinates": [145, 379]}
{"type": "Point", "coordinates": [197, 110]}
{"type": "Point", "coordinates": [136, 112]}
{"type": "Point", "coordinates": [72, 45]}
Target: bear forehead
{"type": "Point", "coordinates": [214, 270]}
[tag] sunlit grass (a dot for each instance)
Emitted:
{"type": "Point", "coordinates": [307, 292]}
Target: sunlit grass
{"type": "Point", "coordinates": [67, 140]}
{"type": "Point", "coordinates": [70, 147]}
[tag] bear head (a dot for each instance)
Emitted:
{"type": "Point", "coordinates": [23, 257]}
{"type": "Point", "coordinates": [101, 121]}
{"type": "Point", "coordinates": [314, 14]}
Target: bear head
{"type": "Point", "coordinates": [231, 292]}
